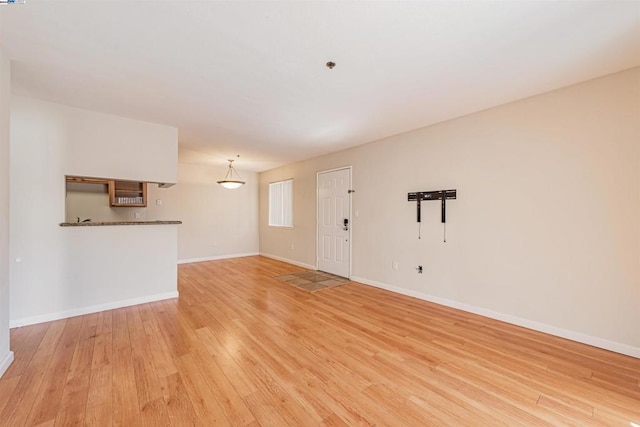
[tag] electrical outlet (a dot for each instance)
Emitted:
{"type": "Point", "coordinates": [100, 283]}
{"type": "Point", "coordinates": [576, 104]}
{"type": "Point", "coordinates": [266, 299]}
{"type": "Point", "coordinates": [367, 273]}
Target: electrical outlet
{"type": "Point", "coordinates": [395, 265]}
{"type": "Point", "coordinates": [158, 201]}
{"type": "Point", "coordinates": [136, 215]}
{"type": "Point", "coordinates": [419, 268]}
{"type": "Point", "coordinates": [292, 246]}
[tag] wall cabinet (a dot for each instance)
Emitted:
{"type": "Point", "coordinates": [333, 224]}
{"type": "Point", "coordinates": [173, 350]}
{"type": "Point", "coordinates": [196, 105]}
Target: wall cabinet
{"type": "Point", "coordinates": [127, 193]}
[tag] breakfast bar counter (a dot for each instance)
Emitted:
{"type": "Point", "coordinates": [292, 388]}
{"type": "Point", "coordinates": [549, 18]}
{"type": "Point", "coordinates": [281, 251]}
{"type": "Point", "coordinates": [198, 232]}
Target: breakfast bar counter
{"type": "Point", "coordinates": [99, 224]}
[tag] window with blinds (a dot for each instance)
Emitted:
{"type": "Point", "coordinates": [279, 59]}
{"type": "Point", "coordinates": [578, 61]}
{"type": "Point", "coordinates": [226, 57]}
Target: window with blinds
{"type": "Point", "coordinates": [281, 203]}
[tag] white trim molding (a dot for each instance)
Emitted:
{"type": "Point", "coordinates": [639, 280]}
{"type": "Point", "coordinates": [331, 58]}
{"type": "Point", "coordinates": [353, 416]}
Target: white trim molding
{"type": "Point", "coordinates": [4, 364]}
{"type": "Point", "coordinates": [91, 309]}
{"type": "Point", "coordinates": [514, 320]}
{"type": "Point", "coordinates": [289, 261]}
{"type": "Point", "coordinates": [217, 257]}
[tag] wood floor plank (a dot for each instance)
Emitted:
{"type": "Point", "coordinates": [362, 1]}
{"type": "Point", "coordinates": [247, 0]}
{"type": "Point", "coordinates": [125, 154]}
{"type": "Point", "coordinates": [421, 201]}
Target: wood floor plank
{"type": "Point", "coordinates": [89, 326]}
{"type": "Point", "coordinates": [218, 357]}
{"type": "Point", "coordinates": [126, 410]}
{"type": "Point", "coordinates": [147, 381]}
{"type": "Point", "coordinates": [207, 404]}
{"type": "Point", "coordinates": [104, 340]}
{"type": "Point", "coordinates": [242, 348]}
{"type": "Point", "coordinates": [47, 400]}
{"type": "Point", "coordinates": [76, 389]}
{"type": "Point", "coordinates": [99, 409]}
{"type": "Point", "coordinates": [28, 340]}
{"type": "Point", "coordinates": [158, 349]}
{"type": "Point", "coordinates": [177, 339]}
{"type": "Point", "coordinates": [154, 413]}
{"type": "Point", "coordinates": [179, 408]}
{"type": "Point", "coordinates": [224, 388]}
{"type": "Point", "coordinates": [7, 388]}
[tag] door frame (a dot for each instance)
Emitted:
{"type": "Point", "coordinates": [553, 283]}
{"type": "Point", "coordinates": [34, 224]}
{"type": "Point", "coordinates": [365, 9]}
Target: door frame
{"type": "Point", "coordinates": [350, 168]}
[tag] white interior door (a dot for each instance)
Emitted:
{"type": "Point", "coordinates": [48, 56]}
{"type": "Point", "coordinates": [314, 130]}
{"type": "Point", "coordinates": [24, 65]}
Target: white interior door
{"type": "Point", "coordinates": [334, 222]}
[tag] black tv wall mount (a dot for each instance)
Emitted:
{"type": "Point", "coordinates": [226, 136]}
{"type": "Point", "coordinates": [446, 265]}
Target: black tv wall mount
{"type": "Point", "coordinates": [433, 195]}
{"type": "Point", "coordinates": [441, 195]}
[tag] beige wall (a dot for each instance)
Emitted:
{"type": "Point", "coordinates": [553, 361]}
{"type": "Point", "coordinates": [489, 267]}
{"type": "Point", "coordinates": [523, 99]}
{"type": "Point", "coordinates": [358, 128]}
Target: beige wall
{"type": "Point", "coordinates": [544, 232]}
{"type": "Point", "coordinates": [107, 146]}
{"type": "Point", "coordinates": [5, 94]}
{"type": "Point", "coordinates": [216, 222]}
{"type": "Point", "coordinates": [65, 271]}
{"type": "Point", "coordinates": [100, 268]}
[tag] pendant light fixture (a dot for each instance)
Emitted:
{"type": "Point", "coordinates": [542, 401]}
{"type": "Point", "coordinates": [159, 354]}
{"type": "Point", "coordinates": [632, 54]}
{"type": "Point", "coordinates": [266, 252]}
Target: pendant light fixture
{"type": "Point", "coordinates": [229, 180]}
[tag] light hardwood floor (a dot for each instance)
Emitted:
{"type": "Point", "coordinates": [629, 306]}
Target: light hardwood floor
{"type": "Point", "coordinates": [242, 348]}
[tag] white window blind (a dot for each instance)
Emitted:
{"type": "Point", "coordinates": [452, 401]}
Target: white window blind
{"type": "Point", "coordinates": [281, 203]}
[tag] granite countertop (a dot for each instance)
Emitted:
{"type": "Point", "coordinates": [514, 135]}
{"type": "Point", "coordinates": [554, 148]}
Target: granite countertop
{"type": "Point", "coordinates": [100, 224]}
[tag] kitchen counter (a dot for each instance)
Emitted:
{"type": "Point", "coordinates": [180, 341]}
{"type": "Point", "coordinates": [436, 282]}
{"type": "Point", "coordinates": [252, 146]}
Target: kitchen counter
{"type": "Point", "coordinates": [100, 224]}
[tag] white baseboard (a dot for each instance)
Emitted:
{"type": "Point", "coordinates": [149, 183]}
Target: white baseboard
{"type": "Point", "coordinates": [289, 261]}
{"type": "Point", "coordinates": [514, 320]}
{"type": "Point", "coordinates": [91, 309]}
{"type": "Point", "coordinates": [4, 364]}
{"type": "Point", "coordinates": [217, 257]}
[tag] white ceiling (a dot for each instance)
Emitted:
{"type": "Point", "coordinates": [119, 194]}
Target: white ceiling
{"type": "Point", "coordinates": [249, 78]}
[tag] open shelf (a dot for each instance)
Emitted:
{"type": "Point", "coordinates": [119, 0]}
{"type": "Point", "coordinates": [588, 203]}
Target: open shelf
{"type": "Point", "coordinates": [128, 194]}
